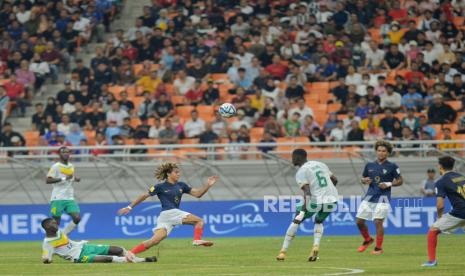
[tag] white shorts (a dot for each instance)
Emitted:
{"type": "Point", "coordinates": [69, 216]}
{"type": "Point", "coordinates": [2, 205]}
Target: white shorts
{"type": "Point", "coordinates": [449, 223]}
{"type": "Point", "coordinates": [169, 219]}
{"type": "Point", "coordinates": [373, 210]}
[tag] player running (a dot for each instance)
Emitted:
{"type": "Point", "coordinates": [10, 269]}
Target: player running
{"type": "Point", "coordinates": [57, 242]}
{"type": "Point", "coordinates": [169, 193]}
{"type": "Point", "coordinates": [61, 176]}
{"type": "Point", "coordinates": [381, 175]}
{"type": "Point", "coordinates": [320, 198]}
{"type": "Point", "coordinates": [450, 185]}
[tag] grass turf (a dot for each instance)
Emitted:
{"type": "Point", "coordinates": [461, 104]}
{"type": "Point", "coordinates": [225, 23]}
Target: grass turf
{"type": "Point", "coordinates": [251, 256]}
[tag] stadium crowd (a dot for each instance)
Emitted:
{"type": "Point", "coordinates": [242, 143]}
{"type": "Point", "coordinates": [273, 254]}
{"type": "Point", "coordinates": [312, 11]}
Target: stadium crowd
{"type": "Point", "coordinates": [353, 70]}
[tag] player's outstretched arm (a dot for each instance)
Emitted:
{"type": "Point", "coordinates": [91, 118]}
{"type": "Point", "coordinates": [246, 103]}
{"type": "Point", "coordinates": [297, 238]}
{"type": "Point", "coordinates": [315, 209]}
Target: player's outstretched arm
{"type": "Point", "coordinates": [127, 209]}
{"type": "Point", "coordinates": [198, 193]}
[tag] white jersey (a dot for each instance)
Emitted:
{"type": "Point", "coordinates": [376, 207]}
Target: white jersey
{"type": "Point", "coordinates": [62, 246]}
{"type": "Point", "coordinates": [62, 190]}
{"type": "Point", "coordinates": [318, 176]}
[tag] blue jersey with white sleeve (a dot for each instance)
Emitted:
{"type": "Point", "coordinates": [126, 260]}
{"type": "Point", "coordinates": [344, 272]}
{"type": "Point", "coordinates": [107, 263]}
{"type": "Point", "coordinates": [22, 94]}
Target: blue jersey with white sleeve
{"type": "Point", "coordinates": [170, 194]}
{"type": "Point", "coordinates": [379, 173]}
{"type": "Point", "coordinates": [452, 186]}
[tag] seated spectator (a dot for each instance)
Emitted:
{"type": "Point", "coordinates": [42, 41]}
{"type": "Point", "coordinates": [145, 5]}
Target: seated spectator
{"type": "Point", "coordinates": [294, 91]}
{"type": "Point", "coordinates": [41, 71]}
{"type": "Point", "coordinates": [371, 118]}
{"type": "Point", "coordinates": [116, 114]}
{"type": "Point", "coordinates": [277, 69]}
{"type": "Point", "coordinates": [139, 142]}
{"type": "Point", "coordinates": [239, 99]}
{"type": "Point", "coordinates": [428, 185]}
{"type": "Point", "coordinates": [273, 127]}
{"type": "Point", "coordinates": [78, 116]}
{"type": "Point", "coordinates": [125, 103]}
{"type": "Point", "coordinates": [394, 59]}
{"type": "Point", "coordinates": [65, 125]}
{"type": "Point", "coordinates": [195, 94]}
{"type": "Point", "coordinates": [69, 106]}
{"type": "Point", "coordinates": [407, 135]}
{"type": "Point", "coordinates": [257, 100]}
{"type": "Point", "coordinates": [362, 108]}
{"type": "Point", "coordinates": [243, 135]}
{"type": "Point", "coordinates": [387, 123]}
{"type": "Point", "coordinates": [325, 71]}
{"type": "Point", "coordinates": [302, 109]}
{"type": "Point", "coordinates": [168, 134]}
{"type": "Point", "coordinates": [26, 77]}
{"type": "Point", "coordinates": [267, 138]}
{"type": "Point", "coordinates": [234, 149]}
{"type": "Point", "coordinates": [142, 130]}
{"type": "Point", "coordinates": [411, 120]}
{"type": "Point", "coordinates": [241, 120]}
{"type": "Point", "coordinates": [440, 112]}
{"type": "Point", "coordinates": [75, 136]}
{"type": "Point", "coordinates": [338, 133]}
{"type": "Point", "coordinates": [4, 101]}
{"type": "Point", "coordinates": [95, 115]}
{"type": "Point", "coordinates": [356, 133]}
{"type": "Point", "coordinates": [194, 126]}
{"type": "Point", "coordinates": [447, 135]}
{"type": "Point", "coordinates": [461, 125]}
{"type": "Point", "coordinates": [348, 120]}
{"type": "Point", "coordinates": [412, 99]}
{"type": "Point", "coordinates": [292, 125]}
{"type": "Point", "coordinates": [15, 92]}
{"type": "Point", "coordinates": [424, 127]}
{"type": "Point", "coordinates": [251, 113]}
{"type": "Point", "coordinates": [340, 91]}
{"type": "Point", "coordinates": [208, 136]}
{"type": "Point", "coordinates": [307, 126]}
{"type": "Point", "coordinates": [100, 142]}
{"type": "Point", "coordinates": [372, 132]}
{"type": "Point", "coordinates": [270, 88]}
{"type": "Point", "coordinates": [163, 108]}
{"type": "Point", "coordinates": [211, 95]}
{"type": "Point", "coordinates": [183, 83]}
{"type": "Point", "coordinates": [149, 82]}
{"type": "Point", "coordinates": [330, 123]}
{"type": "Point", "coordinates": [317, 135]}
{"type": "Point", "coordinates": [374, 56]}
{"type": "Point", "coordinates": [391, 99]}
{"type": "Point", "coordinates": [11, 138]}
{"type": "Point", "coordinates": [146, 106]}
{"type": "Point", "coordinates": [219, 125]}
{"type": "Point", "coordinates": [126, 130]}
{"type": "Point", "coordinates": [242, 80]}
{"type": "Point", "coordinates": [155, 129]}
{"type": "Point", "coordinates": [112, 131]}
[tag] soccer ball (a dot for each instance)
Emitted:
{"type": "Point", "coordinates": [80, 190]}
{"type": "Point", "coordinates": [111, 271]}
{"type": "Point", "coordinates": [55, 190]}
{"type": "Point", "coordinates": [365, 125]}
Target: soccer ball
{"type": "Point", "coordinates": [227, 110]}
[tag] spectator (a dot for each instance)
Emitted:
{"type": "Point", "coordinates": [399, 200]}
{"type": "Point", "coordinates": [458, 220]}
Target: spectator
{"type": "Point", "coordinates": [112, 132]}
{"type": "Point", "coordinates": [372, 132]}
{"type": "Point", "coordinates": [407, 135]}
{"type": "Point", "coordinates": [412, 99]}
{"type": "Point", "coordinates": [75, 135]}
{"type": "Point", "coordinates": [337, 134]}
{"type": "Point", "coordinates": [183, 83]}
{"type": "Point", "coordinates": [4, 101]}
{"type": "Point", "coordinates": [149, 82]}
{"type": "Point", "coordinates": [38, 119]}
{"type": "Point", "coordinates": [356, 133]}
{"type": "Point", "coordinates": [125, 103]}
{"type": "Point", "coordinates": [63, 95]}
{"type": "Point", "coordinates": [267, 138]}
{"type": "Point", "coordinates": [208, 136]}
{"type": "Point", "coordinates": [273, 127]}
{"type": "Point", "coordinates": [126, 130]}
{"type": "Point", "coordinates": [241, 120]}
{"type": "Point", "coordinates": [292, 125]}
{"type": "Point", "coordinates": [447, 135]}
{"type": "Point", "coordinates": [195, 126]}
{"type": "Point", "coordinates": [95, 115]}
{"type": "Point", "coordinates": [441, 113]}
{"type": "Point", "coordinates": [168, 134]}
{"type": "Point", "coordinates": [362, 108]}
{"type": "Point", "coordinates": [302, 109]}
{"type": "Point", "coordinates": [52, 57]}
{"type": "Point", "coordinates": [219, 125]}
{"type": "Point", "coordinates": [391, 99]}
{"type": "Point", "coordinates": [277, 69]}
{"type": "Point", "coordinates": [15, 92]}
{"type": "Point", "coordinates": [317, 135]}
{"type": "Point", "coordinates": [428, 185]}
{"type": "Point", "coordinates": [142, 130]}
{"type": "Point", "coordinates": [325, 71]}
{"type": "Point", "coordinates": [348, 120]}
{"type": "Point", "coordinates": [410, 120]}
{"type": "Point", "coordinates": [116, 114]}
{"type": "Point", "coordinates": [307, 126]}
{"type": "Point", "coordinates": [11, 138]}
{"type": "Point", "coordinates": [374, 56]}
{"type": "Point", "coordinates": [387, 123]}
{"type": "Point", "coordinates": [424, 127]}
{"type": "Point", "coordinates": [211, 95]}
{"type": "Point", "coordinates": [155, 129]}
{"type": "Point", "coordinates": [294, 91]}
{"type": "Point", "coordinates": [65, 125]}
{"type": "Point", "coordinates": [461, 125]}
{"type": "Point", "coordinates": [195, 94]}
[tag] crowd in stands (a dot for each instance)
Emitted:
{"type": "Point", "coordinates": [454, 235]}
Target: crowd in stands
{"type": "Point", "coordinates": [353, 70]}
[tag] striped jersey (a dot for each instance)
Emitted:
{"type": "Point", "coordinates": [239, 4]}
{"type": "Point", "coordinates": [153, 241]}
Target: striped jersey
{"type": "Point", "coordinates": [62, 190]}
{"type": "Point", "coordinates": [62, 246]}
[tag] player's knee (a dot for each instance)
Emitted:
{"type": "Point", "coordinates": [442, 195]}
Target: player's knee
{"type": "Point", "coordinates": [360, 222]}
{"type": "Point", "coordinates": [200, 223]}
{"type": "Point", "coordinates": [433, 229]}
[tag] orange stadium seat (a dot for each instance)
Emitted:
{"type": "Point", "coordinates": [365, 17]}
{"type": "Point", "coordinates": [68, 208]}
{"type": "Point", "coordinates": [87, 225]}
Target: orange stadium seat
{"type": "Point", "coordinates": [184, 111]}
{"type": "Point", "coordinates": [32, 138]}
{"type": "Point", "coordinates": [456, 105]}
{"type": "Point", "coordinates": [458, 21]}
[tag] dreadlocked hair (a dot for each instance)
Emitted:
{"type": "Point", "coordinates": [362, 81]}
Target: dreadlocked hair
{"type": "Point", "coordinates": [161, 173]}
{"type": "Point", "coordinates": [384, 143]}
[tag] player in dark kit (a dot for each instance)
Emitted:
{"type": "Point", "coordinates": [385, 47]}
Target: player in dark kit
{"type": "Point", "coordinates": [450, 185]}
{"type": "Point", "coordinates": [170, 192]}
{"type": "Point", "coordinates": [381, 175]}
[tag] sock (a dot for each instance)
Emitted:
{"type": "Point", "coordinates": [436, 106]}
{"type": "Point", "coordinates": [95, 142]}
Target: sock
{"type": "Point", "coordinates": [198, 231]}
{"type": "Point", "coordinates": [138, 249]}
{"type": "Point", "coordinates": [317, 233]}
{"type": "Point", "coordinates": [70, 227]}
{"type": "Point", "coordinates": [117, 259]}
{"type": "Point", "coordinates": [379, 241]}
{"type": "Point", "coordinates": [139, 260]}
{"type": "Point", "coordinates": [365, 234]}
{"type": "Point", "coordinates": [290, 234]}
{"type": "Point", "coordinates": [432, 243]}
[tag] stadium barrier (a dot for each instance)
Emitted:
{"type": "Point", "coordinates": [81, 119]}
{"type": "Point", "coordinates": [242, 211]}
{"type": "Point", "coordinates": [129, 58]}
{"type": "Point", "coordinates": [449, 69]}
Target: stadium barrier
{"type": "Point", "coordinates": [239, 218]}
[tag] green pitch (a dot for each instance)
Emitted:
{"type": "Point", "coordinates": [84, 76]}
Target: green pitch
{"type": "Point", "coordinates": [252, 256]}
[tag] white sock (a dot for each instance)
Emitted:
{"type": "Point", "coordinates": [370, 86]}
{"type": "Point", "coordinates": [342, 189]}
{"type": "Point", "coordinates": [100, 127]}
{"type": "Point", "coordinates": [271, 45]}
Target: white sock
{"type": "Point", "coordinates": [290, 234]}
{"type": "Point", "coordinates": [117, 259]}
{"type": "Point", "coordinates": [317, 233]}
{"type": "Point", "coordinates": [139, 260]}
{"type": "Point", "coordinates": [70, 227]}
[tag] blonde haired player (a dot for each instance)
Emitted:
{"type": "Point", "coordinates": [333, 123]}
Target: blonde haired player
{"type": "Point", "coordinates": [320, 198]}
{"type": "Point", "coordinates": [169, 192]}
{"type": "Point", "coordinates": [61, 176]}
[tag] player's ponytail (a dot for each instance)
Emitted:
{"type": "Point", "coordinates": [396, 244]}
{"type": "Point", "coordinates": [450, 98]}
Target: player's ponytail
{"type": "Point", "coordinates": [162, 172]}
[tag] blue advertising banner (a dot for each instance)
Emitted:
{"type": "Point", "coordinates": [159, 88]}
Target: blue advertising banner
{"type": "Point", "coordinates": [268, 217]}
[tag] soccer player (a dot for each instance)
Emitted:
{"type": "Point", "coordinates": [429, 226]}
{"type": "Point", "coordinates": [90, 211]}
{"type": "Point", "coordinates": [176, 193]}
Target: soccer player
{"type": "Point", "coordinates": [320, 198]}
{"type": "Point", "coordinates": [169, 193]}
{"type": "Point", "coordinates": [61, 176]}
{"type": "Point", "coordinates": [450, 185]}
{"type": "Point", "coordinates": [57, 242]}
{"type": "Point", "coordinates": [380, 175]}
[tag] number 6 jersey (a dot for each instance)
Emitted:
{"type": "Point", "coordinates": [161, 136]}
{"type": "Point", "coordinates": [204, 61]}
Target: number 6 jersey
{"type": "Point", "coordinates": [318, 176]}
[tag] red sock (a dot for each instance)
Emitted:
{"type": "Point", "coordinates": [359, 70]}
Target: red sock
{"type": "Point", "coordinates": [198, 231]}
{"type": "Point", "coordinates": [138, 249]}
{"type": "Point", "coordinates": [379, 241]}
{"type": "Point", "coordinates": [365, 234]}
{"type": "Point", "coordinates": [432, 243]}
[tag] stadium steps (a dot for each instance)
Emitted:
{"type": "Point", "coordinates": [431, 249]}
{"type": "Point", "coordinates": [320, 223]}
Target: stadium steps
{"type": "Point", "coordinates": [132, 10]}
